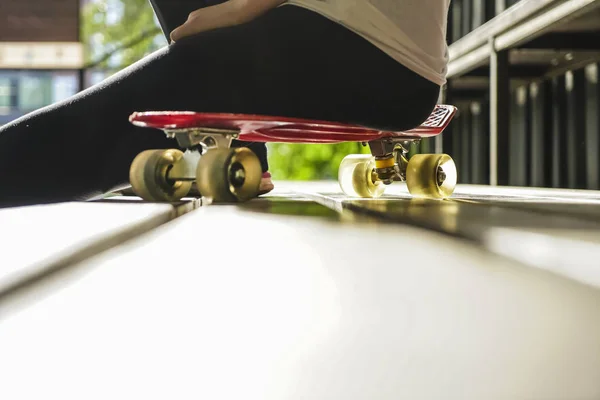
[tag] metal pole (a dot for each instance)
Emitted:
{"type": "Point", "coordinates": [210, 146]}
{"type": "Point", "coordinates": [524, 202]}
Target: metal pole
{"type": "Point", "coordinates": [438, 142]}
{"type": "Point", "coordinates": [500, 6]}
{"type": "Point", "coordinates": [499, 115]}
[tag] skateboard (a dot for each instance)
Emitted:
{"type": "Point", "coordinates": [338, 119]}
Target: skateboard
{"type": "Point", "coordinates": [226, 174]}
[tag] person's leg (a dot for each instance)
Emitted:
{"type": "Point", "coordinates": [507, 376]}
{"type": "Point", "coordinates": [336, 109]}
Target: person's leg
{"type": "Point", "coordinates": [273, 65]}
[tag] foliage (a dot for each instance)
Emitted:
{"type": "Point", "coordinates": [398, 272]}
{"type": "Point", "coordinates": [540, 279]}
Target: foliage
{"type": "Point", "coordinates": [109, 24]}
{"type": "Point", "coordinates": [309, 161]}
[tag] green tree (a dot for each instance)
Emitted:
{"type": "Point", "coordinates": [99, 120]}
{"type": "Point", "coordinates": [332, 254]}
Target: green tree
{"type": "Point", "coordinates": [117, 33]}
{"type": "Point", "coordinates": [309, 161]}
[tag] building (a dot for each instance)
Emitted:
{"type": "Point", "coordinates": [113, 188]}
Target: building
{"type": "Point", "coordinates": [40, 54]}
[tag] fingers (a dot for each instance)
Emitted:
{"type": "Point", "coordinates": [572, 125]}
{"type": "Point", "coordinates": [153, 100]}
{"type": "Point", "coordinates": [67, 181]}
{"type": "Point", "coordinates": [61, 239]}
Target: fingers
{"type": "Point", "coordinates": [184, 30]}
{"type": "Point", "coordinates": [209, 18]}
{"type": "Point", "coordinates": [189, 27]}
{"type": "Point", "coordinates": [176, 34]}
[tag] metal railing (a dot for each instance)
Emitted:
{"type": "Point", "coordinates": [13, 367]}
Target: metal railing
{"type": "Point", "coordinates": [525, 77]}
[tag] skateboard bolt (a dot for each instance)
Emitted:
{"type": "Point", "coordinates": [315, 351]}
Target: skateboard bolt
{"type": "Point", "coordinates": [210, 142]}
{"type": "Point", "coordinates": [237, 175]}
{"type": "Point", "coordinates": [385, 175]}
{"type": "Point", "coordinates": [441, 177]}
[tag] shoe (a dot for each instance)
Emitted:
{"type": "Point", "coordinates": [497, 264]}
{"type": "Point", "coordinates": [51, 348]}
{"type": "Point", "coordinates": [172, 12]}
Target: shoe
{"type": "Point", "coordinates": [266, 184]}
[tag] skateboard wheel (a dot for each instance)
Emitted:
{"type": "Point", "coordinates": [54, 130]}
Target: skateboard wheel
{"type": "Point", "coordinates": [229, 175]}
{"type": "Point", "coordinates": [356, 177]}
{"type": "Point", "coordinates": [148, 176]}
{"type": "Point", "coordinates": [431, 175]}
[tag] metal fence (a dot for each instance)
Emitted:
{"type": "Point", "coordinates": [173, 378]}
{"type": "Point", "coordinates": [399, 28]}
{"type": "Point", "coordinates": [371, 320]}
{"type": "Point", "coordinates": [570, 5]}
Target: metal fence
{"type": "Point", "coordinates": [524, 75]}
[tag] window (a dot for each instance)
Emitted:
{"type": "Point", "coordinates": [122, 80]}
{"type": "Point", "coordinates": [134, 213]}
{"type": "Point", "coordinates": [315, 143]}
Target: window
{"type": "Point", "coordinates": [63, 86]}
{"type": "Point", "coordinates": [35, 91]}
{"type": "Point", "coordinates": [5, 95]}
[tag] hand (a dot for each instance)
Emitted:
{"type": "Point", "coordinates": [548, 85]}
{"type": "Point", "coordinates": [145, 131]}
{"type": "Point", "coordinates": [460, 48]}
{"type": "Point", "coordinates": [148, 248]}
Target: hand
{"type": "Point", "coordinates": [205, 19]}
{"type": "Point", "coordinates": [232, 12]}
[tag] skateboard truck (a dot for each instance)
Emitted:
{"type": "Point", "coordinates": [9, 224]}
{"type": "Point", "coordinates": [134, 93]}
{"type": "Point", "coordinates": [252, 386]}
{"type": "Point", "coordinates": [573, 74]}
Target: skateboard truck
{"type": "Point", "coordinates": [392, 164]}
{"type": "Point", "coordinates": [197, 142]}
{"type": "Point", "coordinates": [205, 137]}
{"type": "Point", "coordinates": [391, 159]}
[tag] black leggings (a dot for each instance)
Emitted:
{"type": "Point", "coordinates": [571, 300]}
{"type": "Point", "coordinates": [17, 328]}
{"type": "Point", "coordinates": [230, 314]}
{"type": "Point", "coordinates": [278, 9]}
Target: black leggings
{"type": "Point", "coordinates": [290, 62]}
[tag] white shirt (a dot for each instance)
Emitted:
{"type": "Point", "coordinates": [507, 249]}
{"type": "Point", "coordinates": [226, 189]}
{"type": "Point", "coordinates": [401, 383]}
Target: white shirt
{"type": "Point", "coordinates": [413, 32]}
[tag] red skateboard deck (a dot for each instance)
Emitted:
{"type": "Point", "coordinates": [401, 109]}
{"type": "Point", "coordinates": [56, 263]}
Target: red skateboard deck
{"type": "Point", "coordinates": [259, 128]}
